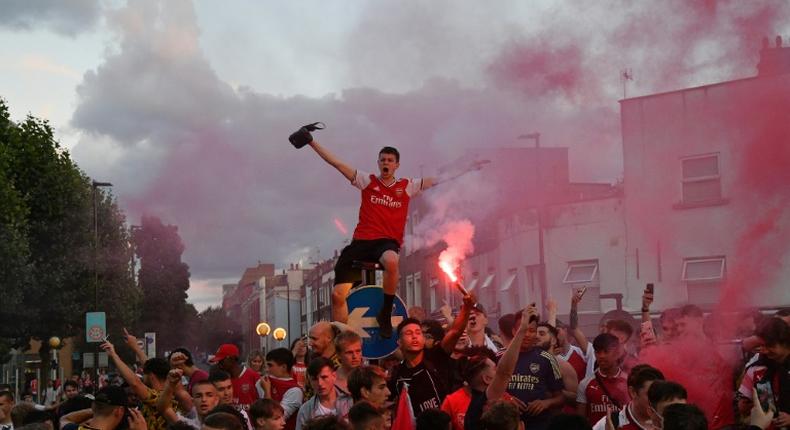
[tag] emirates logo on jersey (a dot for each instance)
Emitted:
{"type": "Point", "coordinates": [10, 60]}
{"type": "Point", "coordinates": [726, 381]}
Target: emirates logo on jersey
{"type": "Point", "coordinates": [386, 201]}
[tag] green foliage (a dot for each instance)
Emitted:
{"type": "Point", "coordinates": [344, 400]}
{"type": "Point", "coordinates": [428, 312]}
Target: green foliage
{"type": "Point", "coordinates": [47, 245]}
{"type": "Point", "coordinates": [217, 328]}
{"type": "Point", "coordinates": [164, 281]}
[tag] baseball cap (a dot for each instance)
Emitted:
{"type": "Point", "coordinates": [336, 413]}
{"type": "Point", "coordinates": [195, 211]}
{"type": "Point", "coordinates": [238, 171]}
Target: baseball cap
{"type": "Point", "coordinates": [225, 350]}
{"type": "Point", "coordinates": [478, 307]}
{"type": "Point", "coordinates": [112, 395]}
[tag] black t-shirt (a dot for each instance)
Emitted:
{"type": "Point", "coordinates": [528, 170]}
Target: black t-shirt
{"type": "Point", "coordinates": [536, 377]}
{"type": "Point", "coordinates": [475, 410]}
{"type": "Point", "coordinates": [427, 381]}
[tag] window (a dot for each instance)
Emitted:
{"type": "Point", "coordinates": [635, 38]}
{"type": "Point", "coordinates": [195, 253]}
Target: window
{"type": "Point", "coordinates": [510, 292]}
{"type": "Point", "coordinates": [701, 179]}
{"type": "Point", "coordinates": [434, 285]}
{"type": "Point", "coordinates": [489, 280]}
{"type": "Point", "coordinates": [585, 272]}
{"type": "Point", "coordinates": [703, 277]}
{"type": "Point", "coordinates": [708, 269]}
{"type": "Point", "coordinates": [508, 284]}
{"type": "Point", "coordinates": [581, 272]}
{"type": "Point", "coordinates": [409, 290]}
{"type": "Point", "coordinates": [417, 289]}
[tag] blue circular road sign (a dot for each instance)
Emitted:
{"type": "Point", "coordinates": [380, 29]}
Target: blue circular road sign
{"type": "Point", "coordinates": [363, 305]}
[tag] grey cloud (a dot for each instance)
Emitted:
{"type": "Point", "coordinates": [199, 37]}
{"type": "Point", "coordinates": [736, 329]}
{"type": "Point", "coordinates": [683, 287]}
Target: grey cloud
{"type": "Point", "coordinates": [180, 143]}
{"type": "Point", "coordinates": [67, 17]}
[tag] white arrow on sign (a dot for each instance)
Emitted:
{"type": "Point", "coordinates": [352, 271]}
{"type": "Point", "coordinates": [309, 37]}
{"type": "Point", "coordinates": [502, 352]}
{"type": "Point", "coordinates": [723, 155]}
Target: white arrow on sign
{"type": "Point", "coordinates": [359, 322]}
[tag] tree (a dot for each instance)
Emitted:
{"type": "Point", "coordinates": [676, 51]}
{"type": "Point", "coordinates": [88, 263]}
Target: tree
{"type": "Point", "coordinates": [164, 280]}
{"type": "Point", "coordinates": [47, 240]}
{"type": "Point", "coordinates": [217, 328]}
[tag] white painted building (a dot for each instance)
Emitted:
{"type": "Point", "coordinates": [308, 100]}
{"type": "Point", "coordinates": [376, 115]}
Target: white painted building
{"type": "Point", "coordinates": [691, 199]}
{"type": "Point", "coordinates": [678, 220]}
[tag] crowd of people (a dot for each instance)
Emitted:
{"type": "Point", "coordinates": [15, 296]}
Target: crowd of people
{"type": "Point", "coordinates": [535, 373]}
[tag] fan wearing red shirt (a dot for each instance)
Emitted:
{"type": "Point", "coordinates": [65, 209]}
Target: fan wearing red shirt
{"type": "Point", "coordinates": [636, 415]}
{"type": "Point", "coordinates": [607, 387]}
{"type": "Point", "coordinates": [379, 232]}
{"type": "Point", "coordinates": [243, 379]}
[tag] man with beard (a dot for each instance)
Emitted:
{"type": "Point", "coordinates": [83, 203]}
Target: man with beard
{"type": "Point", "coordinates": [547, 340]}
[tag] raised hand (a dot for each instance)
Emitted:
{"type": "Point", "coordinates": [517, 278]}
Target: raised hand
{"type": "Point", "coordinates": [109, 348]}
{"type": "Point", "coordinates": [129, 339]}
{"type": "Point", "coordinates": [577, 295]}
{"type": "Point", "coordinates": [174, 376]}
{"type": "Point", "coordinates": [136, 420]}
{"type": "Point", "coordinates": [647, 299]}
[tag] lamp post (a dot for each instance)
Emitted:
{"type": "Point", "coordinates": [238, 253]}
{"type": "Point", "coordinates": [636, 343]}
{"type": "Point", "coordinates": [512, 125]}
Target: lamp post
{"type": "Point", "coordinates": [95, 185]}
{"type": "Point", "coordinates": [540, 203]}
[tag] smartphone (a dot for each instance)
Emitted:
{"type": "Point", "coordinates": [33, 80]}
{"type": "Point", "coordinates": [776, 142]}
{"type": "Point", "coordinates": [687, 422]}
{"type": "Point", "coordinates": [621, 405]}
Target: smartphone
{"type": "Point", "coordinates": [650, 288]}
{"type": "Point", "coordinates": [582, 290]}
{"type": "Point", "coordinates": [765, 395]}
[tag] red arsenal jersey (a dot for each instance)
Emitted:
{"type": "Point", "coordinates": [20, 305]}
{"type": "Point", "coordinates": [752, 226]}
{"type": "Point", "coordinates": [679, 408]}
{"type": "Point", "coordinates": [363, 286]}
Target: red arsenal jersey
{"type": "Point", "coordinates": [279, 388]}
{"type": "Point", "coordinates": [575, 357]}
{"type": "Point", "coordinates": [383, 211]}
{"type": "Point", "coordinates": [244, 391]}
{"type": "Point", "coordinates": [626, 421]}
{"type": "Point", "coordinates": [595, 397]}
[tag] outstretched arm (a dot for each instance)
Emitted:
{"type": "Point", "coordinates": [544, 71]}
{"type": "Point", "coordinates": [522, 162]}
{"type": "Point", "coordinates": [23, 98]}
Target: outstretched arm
{"type": "Point", "coordinates": [574, 320]}
{"type": "Point", "coordinates": [507, 364]}
{"type": "Point", "coordinates": [127, 374]}
{"type": "Point", "coordinates": [459, 323]}
{"type": "Point", "coordinates": [449, 176]}
{"type": "Point", "coordinates": [131, 341]}
{"type": "Point", "coordinates": [333, 161]}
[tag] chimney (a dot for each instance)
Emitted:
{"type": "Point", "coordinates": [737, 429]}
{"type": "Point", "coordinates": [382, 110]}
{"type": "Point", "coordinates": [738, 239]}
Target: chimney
{"type": "Point", "coordinates": [773, 60]}
{"type": "Point", "coordinates": [292, 266]}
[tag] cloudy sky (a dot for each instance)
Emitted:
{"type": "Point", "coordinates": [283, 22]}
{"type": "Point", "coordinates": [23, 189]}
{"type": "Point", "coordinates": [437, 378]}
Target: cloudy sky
{"type": "Point", "coordinates": [185, 106]}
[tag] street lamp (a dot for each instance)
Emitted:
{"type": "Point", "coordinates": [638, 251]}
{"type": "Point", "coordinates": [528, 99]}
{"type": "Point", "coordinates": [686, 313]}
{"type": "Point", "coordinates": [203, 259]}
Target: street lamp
{"type": "Point", "coordinates": [95, 185]}
{"type": "Point", "coordinates": [263, 329]}
{"type": "Point", "coordinates": [541, 253]}
{"type": "Point", "coordinates": [279, 334]}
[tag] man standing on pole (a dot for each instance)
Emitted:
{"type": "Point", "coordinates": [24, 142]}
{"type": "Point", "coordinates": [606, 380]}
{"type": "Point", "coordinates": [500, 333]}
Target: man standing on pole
{"type": "Point", "coordinates": [382, 220]}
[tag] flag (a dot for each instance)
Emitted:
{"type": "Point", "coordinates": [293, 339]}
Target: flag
{"type": "Point", "coordinates": [404, 414]}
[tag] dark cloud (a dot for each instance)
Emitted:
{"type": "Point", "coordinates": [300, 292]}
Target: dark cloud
{"type": "Point", "coordinates": [67, 17]}
{"type": "Point", "coordinates": [181, 143]}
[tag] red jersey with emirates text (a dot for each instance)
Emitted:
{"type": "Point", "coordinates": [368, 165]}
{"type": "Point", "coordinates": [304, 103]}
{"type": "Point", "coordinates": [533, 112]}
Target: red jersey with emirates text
{"type": "Point", "coordinates": [383, 211]}
{"type": "Point", "coordinates": [598, 399]}
{"type": "Point", "coordinates": [627, 421]}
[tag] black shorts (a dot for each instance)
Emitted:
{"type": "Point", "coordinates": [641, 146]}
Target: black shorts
{"type": "Point", "coordinates": [360, 250]}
